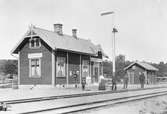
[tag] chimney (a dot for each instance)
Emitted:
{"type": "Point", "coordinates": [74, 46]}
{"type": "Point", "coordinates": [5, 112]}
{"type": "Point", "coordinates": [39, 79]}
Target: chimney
{"type": "Point", "coordinates": [58, 28]}
{"type": "Point", "coordinates": [74, 33]}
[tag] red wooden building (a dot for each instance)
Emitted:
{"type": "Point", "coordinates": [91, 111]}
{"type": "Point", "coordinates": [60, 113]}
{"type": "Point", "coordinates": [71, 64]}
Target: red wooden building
{"type": "Point", "coordinates": [134, 70]}
{"type": "Point", "coordinates": [52, 57]}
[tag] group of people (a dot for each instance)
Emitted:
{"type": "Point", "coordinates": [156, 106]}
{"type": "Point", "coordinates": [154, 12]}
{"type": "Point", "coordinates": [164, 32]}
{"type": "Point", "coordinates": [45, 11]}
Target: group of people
{"type": "Point", "coordinates": [141, 80]}
{"type": "Point", "coordinates": [126, 80]}
{"type": "Point", "coordinates": [114, 82]}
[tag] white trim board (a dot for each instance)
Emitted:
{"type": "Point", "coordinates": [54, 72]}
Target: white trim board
{"type": "Point", "coordinates": [34, 55]}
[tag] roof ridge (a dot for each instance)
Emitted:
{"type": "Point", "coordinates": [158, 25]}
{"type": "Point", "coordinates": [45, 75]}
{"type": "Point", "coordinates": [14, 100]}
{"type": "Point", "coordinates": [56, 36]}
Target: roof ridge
{"type": "Point", "coordinates": [143, 65]}
{"type": "Point", "coordinates": [63, 34]}
{"type": "Point", "coordinates": [43, 29]}
{"type": "Point", "coordinates": [66, 42]}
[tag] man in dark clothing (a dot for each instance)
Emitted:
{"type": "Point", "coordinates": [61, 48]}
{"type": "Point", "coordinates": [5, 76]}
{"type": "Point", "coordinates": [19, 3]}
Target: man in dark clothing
{"type": "Point", "coordinates": [75, 78]}
{"type": "Point", "coordinates": [114, 83]}
{"type": "Point", "coordinates": [126, 78]}
{"type": "Point", "coordinates": [142, 79]}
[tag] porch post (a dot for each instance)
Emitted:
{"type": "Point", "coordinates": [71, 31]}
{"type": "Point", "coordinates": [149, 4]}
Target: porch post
{"type": "Point", "coordinates": [102, 68]}
{"type": "Point", "coordinates": [53, 68]}
{"type": "Point", "coordinates": [18, 78]}
{"type": "Point", "coordinates": [146, 76]}
{"type": "Point", "coordinates": [98, 72]}
{"type": "Point", "coordinates": [90, 67]}
{"type": "Point", "coordinates": [67, 70]}
{"type": "Point", "coordinates": [80, 68]}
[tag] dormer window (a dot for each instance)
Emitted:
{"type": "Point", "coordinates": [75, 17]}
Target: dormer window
{"type": "Point", "coordinates": [34, 43]}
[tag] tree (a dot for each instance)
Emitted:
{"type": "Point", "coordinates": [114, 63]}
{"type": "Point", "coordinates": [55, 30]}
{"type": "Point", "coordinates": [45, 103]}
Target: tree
{"type": "Point", "coordinates": [107, 68]}
{"type": "Point", "coordinates": [162, 69]}
{"type": "Point", "coordinates": [120, 65]}
{"type": "Point", "coordinates": [9, 67]}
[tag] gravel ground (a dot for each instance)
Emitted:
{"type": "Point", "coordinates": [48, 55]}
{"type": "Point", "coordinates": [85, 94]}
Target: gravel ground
{"type": "Point", "coordinates": [156, 105]}
{"type": "Point", "coordinates": [144, 107]}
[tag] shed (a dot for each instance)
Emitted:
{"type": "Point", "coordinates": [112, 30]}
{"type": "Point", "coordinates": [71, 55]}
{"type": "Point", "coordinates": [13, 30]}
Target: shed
{"type": "Point", "coordinates": [133, 71]}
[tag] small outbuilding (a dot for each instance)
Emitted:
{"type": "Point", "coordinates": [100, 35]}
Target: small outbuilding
{"type": "Point", "coordinates": [133, 71]}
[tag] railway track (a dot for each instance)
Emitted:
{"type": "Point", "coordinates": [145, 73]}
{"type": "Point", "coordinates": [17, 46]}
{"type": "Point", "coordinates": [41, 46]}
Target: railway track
{"type": "Point", "coordinates": [96, 104]}
{"type": "Point", "coordinates": [71, 96]}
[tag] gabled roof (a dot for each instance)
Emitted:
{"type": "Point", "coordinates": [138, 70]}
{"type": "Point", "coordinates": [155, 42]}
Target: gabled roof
{"type": "Point", "coordinates": [142, 64]}
{"type": "Point", "coordinates": [65, 42]}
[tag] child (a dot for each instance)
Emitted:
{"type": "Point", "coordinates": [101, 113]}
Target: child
{"type": "Point", "coordinates": [83, 84]}
{"type": "Point", "coordinates": [4, 106]}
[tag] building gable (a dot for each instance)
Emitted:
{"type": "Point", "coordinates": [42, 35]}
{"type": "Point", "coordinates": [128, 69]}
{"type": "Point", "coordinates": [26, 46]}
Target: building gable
{"type": "Point", "coordinates": [145, 66]}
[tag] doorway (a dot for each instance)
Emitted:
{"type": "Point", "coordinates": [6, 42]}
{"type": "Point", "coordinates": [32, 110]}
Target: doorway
{"type": "Point", "coordinates": [95, 72]}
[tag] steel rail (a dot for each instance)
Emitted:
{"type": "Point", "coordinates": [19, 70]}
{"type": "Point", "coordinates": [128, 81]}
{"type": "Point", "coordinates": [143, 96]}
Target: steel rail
{"type": "Point", "coordinates": [72, 95]}
{"type": "Point", "coordinates": [102, 103]}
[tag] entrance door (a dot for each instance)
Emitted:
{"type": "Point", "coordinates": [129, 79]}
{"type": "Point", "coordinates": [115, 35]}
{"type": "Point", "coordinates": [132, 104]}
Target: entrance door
{"type": "Point", "coordinates": [132, 77]}
{"type": "Point", "coordinates": [95, 73]}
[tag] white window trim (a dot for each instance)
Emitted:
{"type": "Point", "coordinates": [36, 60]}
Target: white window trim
{"type": "Point", "coordinates": [30, 76]}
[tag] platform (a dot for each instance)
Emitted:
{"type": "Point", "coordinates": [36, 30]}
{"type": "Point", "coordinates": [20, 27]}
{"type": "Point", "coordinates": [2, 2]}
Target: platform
{"type": "Point", "coordinates": [26, 92]}
{"type": "Point", "coordinates": [35, 106]}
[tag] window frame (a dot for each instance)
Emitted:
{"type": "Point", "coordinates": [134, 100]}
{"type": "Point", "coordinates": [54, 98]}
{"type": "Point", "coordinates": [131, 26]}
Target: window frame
{"type": "Point", "coordinates": [35, 44]}
{"type": "Point", "coordinates": [85, 66]}
{"type": "Point", "coordinates": [30, 68]}
{"type": "Point", "coordinates": [60, 59]}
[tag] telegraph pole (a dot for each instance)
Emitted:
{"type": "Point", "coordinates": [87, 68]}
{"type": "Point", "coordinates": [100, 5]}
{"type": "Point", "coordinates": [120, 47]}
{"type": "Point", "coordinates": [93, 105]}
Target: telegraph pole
{"type": "Point", "coordinates": [113, 51]}
{"type": "Point", "coordinates": [114, 30]}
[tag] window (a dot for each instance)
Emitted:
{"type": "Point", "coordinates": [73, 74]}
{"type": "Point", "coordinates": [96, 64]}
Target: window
{"type": "Point", "coordinates": [34, 43]}
{"type": "Point", "coordinates": [133, 67]}
{"type": "Point", "coordinates": [35, 67]}
{"type": "Point", "coordinates": [37, 42]}
{"type": "Point", "coordinates": [61, 65]}
{"type": "Point", "coordinates": [85, 68]}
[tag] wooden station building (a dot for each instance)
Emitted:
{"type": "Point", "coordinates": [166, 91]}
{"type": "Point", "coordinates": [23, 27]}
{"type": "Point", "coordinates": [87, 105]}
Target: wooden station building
{"type": "Point", "coordinates": [52, 58]}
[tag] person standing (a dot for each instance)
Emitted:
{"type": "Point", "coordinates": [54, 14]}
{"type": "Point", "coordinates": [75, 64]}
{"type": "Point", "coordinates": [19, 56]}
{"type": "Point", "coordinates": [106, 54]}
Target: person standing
{"type": "Point", "coordinates": [142, 79]}
{"type": "Point", "coordinates": [75, 78]}
{"type": "Point", "coordinates": [4, 106]}
{"type": "Point", "coordinates": [83, 84]}
{"type": "Point", "coordinates": [114, 83]}
{"type": "Point", "coordinates": [125, 81]}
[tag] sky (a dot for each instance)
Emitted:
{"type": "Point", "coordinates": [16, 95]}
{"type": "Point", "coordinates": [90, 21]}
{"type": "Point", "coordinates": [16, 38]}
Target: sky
{"type": "Point", "coordinates": [141, 24]}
